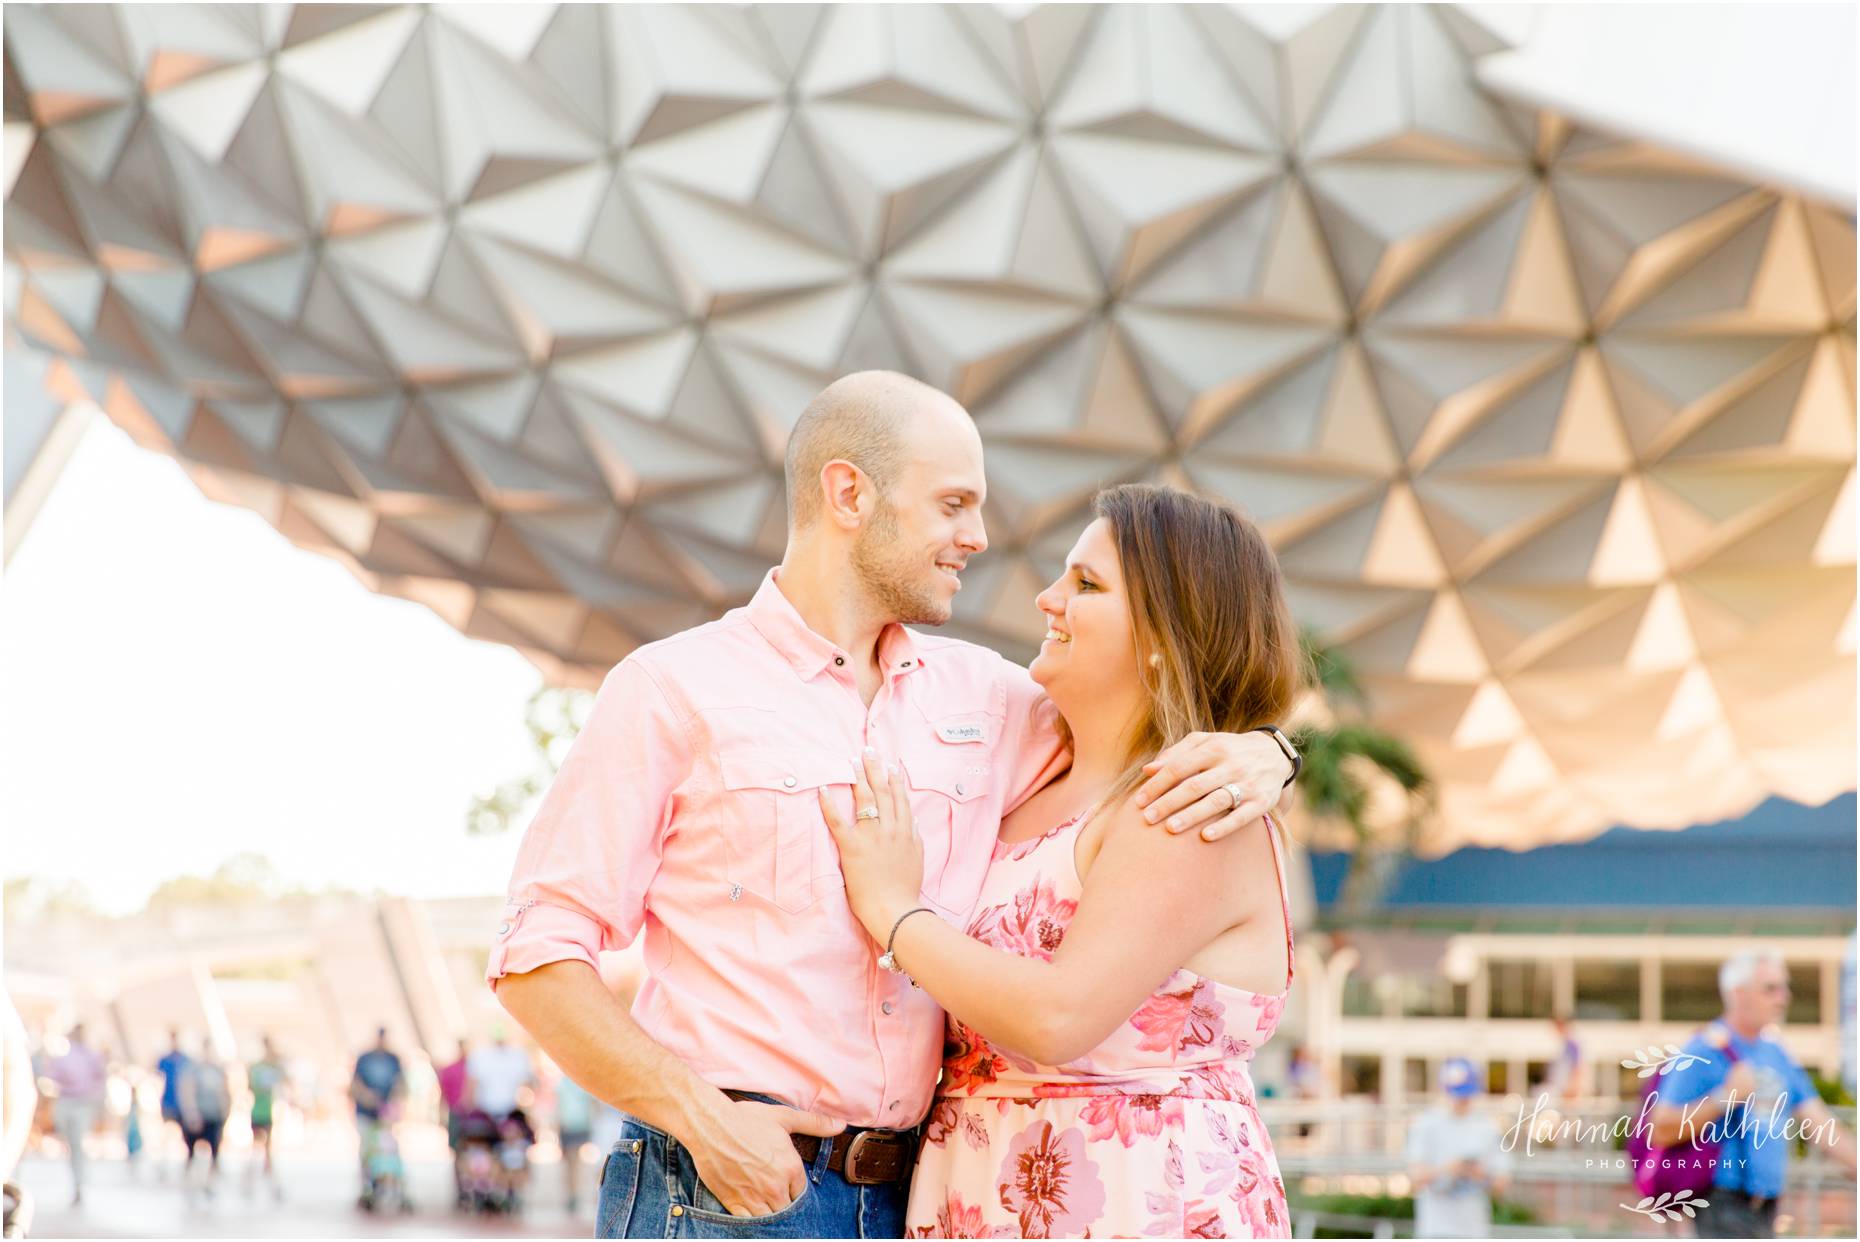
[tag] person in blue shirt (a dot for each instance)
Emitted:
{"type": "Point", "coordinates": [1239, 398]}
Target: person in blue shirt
{"type": "Point", "coordinates": [173, 1067]}
{"type": "Point", "coordinates": [1747, 1089]}
{"type": "Point", "coordinates": [378, 1078]}
{"type": "Point", "coordinates": [378, 1082]}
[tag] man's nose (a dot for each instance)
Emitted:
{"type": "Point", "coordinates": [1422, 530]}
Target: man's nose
{"type": "Point", "coordinates": [975, 540]}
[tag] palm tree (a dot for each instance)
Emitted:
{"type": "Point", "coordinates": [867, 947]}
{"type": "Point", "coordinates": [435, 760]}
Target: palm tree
{"type": "Point", "coordinates": [554, 716]}
{"type": "Point", "coordinates": [1347, 762]}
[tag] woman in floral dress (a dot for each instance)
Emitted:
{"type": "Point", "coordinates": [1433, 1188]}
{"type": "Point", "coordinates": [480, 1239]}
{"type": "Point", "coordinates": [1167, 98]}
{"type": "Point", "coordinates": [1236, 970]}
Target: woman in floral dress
{"type": "Point", "coordinates": [1113, 981]}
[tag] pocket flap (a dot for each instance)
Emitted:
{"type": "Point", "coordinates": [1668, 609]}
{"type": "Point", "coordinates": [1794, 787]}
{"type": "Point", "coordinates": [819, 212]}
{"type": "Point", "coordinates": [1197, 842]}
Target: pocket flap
{"type": "Point", "coordinates": [784, 771]}
{"type": "Point", "coordinates": [954, 776]}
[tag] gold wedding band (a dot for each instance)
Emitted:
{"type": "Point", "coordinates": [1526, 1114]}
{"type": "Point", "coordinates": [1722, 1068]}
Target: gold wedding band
{"type": "Point", "coordinates": [869, 812]}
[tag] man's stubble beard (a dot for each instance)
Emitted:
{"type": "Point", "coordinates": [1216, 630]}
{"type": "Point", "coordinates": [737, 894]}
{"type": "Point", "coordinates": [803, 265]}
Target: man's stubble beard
{"type": "Point", "coordinates": [890, 574]}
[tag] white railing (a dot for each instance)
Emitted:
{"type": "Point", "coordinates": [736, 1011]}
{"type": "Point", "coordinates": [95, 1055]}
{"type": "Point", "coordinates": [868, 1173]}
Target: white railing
{"type": "Point", "coordinates": [1306, 1225]}
{"type": "Point", "coordinates": [1358, 1145]}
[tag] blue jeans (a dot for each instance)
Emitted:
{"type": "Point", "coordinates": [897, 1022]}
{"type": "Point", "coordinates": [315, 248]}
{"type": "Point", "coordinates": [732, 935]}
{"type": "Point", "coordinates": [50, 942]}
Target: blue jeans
{"type": "Point", "coordinates": [649, 1173]}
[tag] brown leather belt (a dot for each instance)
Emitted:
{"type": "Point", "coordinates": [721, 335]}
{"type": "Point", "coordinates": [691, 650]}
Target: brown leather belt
{"type": "Point", "coordinates": [864, 1157]}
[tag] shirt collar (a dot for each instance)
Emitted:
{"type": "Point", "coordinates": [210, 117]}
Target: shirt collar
{"type": "Point", "coordinates": [1732, 1039]}
{"type": "Point", "coordinates": [808, 653]}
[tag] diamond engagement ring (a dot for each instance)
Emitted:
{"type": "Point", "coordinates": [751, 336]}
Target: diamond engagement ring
{"type": "Point", "coordinates": [869, 812]}
{"type": "Point", "coordinates": [1234, 792]}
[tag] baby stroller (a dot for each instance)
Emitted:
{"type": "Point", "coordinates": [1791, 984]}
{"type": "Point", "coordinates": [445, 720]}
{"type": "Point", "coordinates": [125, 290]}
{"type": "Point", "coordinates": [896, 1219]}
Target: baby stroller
{"type": "Point", "coordinates": [493, 1161]}
{"type": "Point", "coordinates": [384, 1173]}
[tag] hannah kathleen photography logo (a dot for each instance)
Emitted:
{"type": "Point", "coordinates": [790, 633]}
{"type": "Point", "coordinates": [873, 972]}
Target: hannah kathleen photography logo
{"type": "Point", "coordinates": [1668, 1206]}
{"type": "Point", "coordinates": [1704, 1126]}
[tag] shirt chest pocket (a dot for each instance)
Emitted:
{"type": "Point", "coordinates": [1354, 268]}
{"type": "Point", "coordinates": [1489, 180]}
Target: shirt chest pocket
{"type": "Point", "coordinates": [954, 812]}
{"type": "Point", "coordinates": [779, 847]}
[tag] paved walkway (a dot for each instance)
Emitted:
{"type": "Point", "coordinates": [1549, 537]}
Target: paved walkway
{"type": "Point", "coordinates": [319, 1201]}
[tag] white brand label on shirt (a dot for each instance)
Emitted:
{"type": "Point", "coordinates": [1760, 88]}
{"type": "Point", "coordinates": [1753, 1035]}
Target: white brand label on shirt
{"type": "Point", "coordinates": [956, 732]}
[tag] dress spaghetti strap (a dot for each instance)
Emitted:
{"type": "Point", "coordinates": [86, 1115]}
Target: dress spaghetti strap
{"type": "Point", "coordinates": [1285, 897]}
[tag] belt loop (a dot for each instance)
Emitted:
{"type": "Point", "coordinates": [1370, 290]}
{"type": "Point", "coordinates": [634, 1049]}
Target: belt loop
{"type": "Point", "coordinates": [823, 1157]}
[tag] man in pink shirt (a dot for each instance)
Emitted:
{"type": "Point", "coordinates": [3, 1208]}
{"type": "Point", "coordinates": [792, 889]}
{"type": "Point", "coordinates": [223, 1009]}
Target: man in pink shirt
{"type": "Point", "coordinates": [79, 1075]}
{"type": "Point", "coordinates": [772, 1071]}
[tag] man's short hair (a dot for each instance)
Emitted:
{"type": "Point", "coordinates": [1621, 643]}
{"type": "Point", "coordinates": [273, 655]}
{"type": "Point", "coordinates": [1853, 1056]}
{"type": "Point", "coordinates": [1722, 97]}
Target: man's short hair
{"type": "Point", "coordinates": [860, 418]}
{"type": "Point", "coordinates": [1741, 968]}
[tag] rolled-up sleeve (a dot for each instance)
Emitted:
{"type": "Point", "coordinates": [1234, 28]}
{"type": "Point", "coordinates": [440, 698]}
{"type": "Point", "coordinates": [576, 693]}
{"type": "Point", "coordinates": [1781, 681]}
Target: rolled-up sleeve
{"type": "Point", "coordinates": [588, 857]}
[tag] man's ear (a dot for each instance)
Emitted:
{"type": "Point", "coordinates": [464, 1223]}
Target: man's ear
{"type": "Point", "coordinates": [847, 493]}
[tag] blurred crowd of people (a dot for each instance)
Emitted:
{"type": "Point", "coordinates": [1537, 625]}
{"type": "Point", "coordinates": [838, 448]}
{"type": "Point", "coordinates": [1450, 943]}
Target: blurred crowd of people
{"type": "Point", "coordinates": [84, 1101]}
{"type": "Point", "coordinates": [496, 1102]}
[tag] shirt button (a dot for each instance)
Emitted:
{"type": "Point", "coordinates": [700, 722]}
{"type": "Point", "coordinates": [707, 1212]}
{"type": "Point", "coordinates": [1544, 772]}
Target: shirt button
{"type": "Point", "coordinates": [839, 660]}
{"type": "Point", "coordinates": [958, 790]}
{"type": "Point", "coordinates": [788, 781]}
{"type": "Point", "coordinates": [886, 1006]}
{"type": "Point", "coordinates": [894, 1104]}
{"type": "Point", "coordinates": [503, 929]}
{"type": "Point", "coordinates": [906, 664]}
{"type": "Point", "coordinates": [677, 1210]}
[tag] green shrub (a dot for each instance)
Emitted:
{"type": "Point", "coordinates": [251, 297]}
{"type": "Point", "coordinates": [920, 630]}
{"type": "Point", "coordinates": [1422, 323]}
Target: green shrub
{"type": "Point", "coordinates": [1398, 1207]}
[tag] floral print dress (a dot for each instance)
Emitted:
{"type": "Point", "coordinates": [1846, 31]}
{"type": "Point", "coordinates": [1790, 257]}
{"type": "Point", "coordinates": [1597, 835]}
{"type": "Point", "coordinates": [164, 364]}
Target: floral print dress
{"type": "Point", "coordinates": [1153, 1133]}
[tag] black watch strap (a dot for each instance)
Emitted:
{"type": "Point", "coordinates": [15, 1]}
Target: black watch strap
{"type": "Point", "coordinates": [1285, 744]}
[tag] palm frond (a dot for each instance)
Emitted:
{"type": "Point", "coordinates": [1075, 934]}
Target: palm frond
{"type": "Point", "coordinates": [1332, 673]}
{"type": "Point", "coordinates": [1391, 754]}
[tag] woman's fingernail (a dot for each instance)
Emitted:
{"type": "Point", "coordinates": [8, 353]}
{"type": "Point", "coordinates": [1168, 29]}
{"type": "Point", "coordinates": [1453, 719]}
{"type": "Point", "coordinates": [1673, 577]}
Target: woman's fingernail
{"type": "Point", "coordinates": [1149, 817]}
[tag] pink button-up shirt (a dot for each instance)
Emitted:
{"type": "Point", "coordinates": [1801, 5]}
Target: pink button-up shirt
{"type": "Point", "coordinates": [80, 1073]}
{"type": "Point", "coordinates": [687, 807]}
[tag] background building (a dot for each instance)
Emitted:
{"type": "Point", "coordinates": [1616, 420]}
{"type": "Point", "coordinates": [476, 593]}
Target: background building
{"type": "Point", "coordinates": [1549, 416]}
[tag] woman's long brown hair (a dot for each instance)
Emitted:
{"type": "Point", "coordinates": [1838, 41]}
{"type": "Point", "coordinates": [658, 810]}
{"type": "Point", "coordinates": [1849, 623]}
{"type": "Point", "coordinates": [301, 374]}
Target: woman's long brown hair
{"type": "Point", "coordinates": [1205, 594]}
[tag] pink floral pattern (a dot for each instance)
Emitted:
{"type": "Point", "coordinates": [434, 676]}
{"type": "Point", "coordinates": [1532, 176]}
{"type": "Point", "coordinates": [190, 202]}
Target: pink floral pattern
{"type": "Point", "coordinates": [1050, 1185]}
{"type": "Point", "coordinates": [1128, 1118]}
{"type": "Point", "coordinates": [968, 1060]}
{"type": "Point", "coordinates": [1180, 1020]}
{"type": "Point", "coordinates": [1165, 1205]}
{"type": "Point", "coordinates": [1031, 923]}
{"type": "Point", "coordinates": [1154, 1133]}
{"type": "Point", "coordinates": [956, 1219]}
